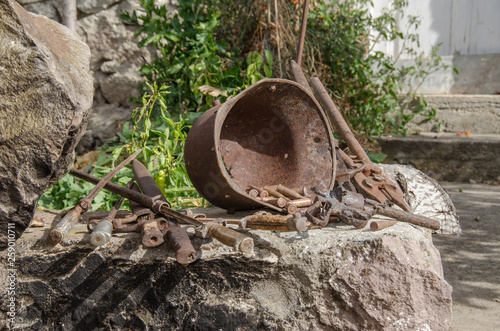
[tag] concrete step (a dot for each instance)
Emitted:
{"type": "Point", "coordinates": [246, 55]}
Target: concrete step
{"type": "Point", "coordinates": [476, 113]}
{"type": "Point", "coordinates": [446, 156]}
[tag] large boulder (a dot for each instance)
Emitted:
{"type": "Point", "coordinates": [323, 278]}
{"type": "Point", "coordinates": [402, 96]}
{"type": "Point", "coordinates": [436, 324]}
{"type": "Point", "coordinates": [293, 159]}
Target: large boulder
{"type": "Point", "coordinates": [115, 60]}
{"type": "Point", "coordinates": [335, 278]}
{"type": "Point", "coordinates": [46, 95]}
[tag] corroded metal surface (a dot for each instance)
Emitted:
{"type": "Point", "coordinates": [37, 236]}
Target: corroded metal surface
{"type": "Point", "coordinates": [274, 132]}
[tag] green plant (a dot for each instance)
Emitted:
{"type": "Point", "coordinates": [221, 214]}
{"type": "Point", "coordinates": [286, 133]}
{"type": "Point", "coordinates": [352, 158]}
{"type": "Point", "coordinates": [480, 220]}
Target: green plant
{"type": "Point", "coordinates": [195, 65]}
{"type": "Point", "coordinates": [199, 71]}
{"type": "Point", "coordinates": [162, 141]}
{"type": "Point", "coordinates": [366, 82]}
{"type": "Point", "coordinates": [375, 94]}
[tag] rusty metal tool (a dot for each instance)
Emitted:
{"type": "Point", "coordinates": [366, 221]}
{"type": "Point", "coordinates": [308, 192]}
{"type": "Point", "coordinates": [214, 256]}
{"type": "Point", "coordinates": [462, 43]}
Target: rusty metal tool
{"type": "Point", "coordinates": [379, 225]}
{"type": "Point", "coordinates": [150, 227]}
{"type": "Point", "coordinates": [303, 26]}
{"type": "Point", "coordinates": [74, 215]}
{"type": "Point", "coordinates": [266, 221]}
{"type": "Point", "coordinates": [176, 235]}
{"type": "Point", "coordinates": [101, 233]}
{"type": "Point", "coordinates": [353, 208]}
{"type": "Point", "coordinates": [149, 187]}
{"type": "Point", "coordinates": [349, 211]}
{"type": "Point", "coordinates": [370, 181]}
{"type": "Point", "coordinates": [346, 170]}
{"type": "Point", "coordinates": [227, 236]}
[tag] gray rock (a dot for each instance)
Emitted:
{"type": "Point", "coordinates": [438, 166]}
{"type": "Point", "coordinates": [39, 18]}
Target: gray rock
{"type": "Point", "coordinates": [94, 6]}
{"type": "Point", "coordinates": [45, 99]}
{"type": "Point", "coordinates": [425, 196]}
{"type": "Point", "coordinates": [115, 59]}
{"type": "Point", "coordinates": [115, 63]}
{"type": "Point", "coordinates": [335, 278]}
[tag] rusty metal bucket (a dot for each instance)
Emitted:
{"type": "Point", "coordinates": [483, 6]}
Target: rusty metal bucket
{"type": "Point", "coordinates": [274, 132]}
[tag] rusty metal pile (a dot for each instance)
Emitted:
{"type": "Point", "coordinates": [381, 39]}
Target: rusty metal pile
{"type": "Point", "coordinates": [269, 149]}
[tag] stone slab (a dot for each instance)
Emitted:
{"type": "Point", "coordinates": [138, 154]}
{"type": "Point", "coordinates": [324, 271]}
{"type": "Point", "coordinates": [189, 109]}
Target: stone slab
{"type": "Point", "coordinates": [446, 156]}
{"type": "Point", "coordinates": [478, 114]}
{"type": "Point", "coordinates": [337, 278]}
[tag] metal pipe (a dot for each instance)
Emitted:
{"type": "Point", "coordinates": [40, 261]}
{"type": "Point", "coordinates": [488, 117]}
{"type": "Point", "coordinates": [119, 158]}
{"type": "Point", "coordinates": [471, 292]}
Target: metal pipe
{"type": "Point", "coordinates": [302, 37]}
{"type": "Point", "coordinates": [379, 225]}
{"type": "Point", "coordinates": [404, 216]}
{"type": "Point", "coordinates": [298, 75]}
{"type": "Point", "coordinates": [338, 121]}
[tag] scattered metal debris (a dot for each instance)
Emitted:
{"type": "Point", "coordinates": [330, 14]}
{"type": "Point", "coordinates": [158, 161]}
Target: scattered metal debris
{"type": "Point", "coordinates": [269, 147]}
{"type": "Point", "coordinates": [72, 216]}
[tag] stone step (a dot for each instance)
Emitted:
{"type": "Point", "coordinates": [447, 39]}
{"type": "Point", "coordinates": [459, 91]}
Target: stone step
{"type": "Point", "coordinates": [476, 113]}
{"type": "Point", "coordinates": [446, 156]}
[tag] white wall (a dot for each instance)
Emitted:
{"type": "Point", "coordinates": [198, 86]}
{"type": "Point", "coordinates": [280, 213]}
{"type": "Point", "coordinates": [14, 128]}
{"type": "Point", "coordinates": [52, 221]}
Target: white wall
{"type": "Point", "coordinates": [469, 34]}
{"type": "Point", "coordinates": [464, 27]}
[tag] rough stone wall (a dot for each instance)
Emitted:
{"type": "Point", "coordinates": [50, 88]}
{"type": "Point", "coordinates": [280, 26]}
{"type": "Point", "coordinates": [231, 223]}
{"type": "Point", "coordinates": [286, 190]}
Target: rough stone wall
{"type": "Point", "coordinates": [115, 60]}
{"type": "Point", "coordinates": [45, 98]}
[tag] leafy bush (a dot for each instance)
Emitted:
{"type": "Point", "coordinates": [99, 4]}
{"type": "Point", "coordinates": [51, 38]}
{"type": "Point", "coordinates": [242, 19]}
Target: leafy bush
{"type": "Point", "coordinates": [212, 49]}
{"type": "Point", "coordinates": [371, 90]}
{"type": "Point", "coordinates": [195, 66]}
{"type": "Point", "coordinates": [162, 142]}
{"type": "Point", "coordinates": [367, 83]}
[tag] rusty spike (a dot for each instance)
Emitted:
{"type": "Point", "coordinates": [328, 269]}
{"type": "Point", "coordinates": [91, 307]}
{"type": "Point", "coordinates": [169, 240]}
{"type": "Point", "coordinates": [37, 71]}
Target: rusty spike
{"type": "Point", "coordinates": [181, 245]}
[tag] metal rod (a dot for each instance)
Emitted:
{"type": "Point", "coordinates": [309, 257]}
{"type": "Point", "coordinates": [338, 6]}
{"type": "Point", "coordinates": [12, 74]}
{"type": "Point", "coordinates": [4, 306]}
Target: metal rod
{"type": "Point", "coordinates": [404, 216]}
{"type": "Point", "coordinates": [298, 75]}
{"type": "Point", "coordinates": [302, 37]}
{"type": "Point", "coordinates": [379, 225]}
{"type": "Point", "coordinates": [278, 37]}
{"type": "Point", "coordinates": [338, 121]}
{"type": "Point", "coordinates": [74, 215]}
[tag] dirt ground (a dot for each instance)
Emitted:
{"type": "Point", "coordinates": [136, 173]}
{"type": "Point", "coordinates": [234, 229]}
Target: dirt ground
{"type": "Point", "coordinates": [472, 261]}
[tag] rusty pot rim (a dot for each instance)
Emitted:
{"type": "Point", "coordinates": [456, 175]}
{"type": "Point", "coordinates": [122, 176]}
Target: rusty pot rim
{"type": "Point", "coordinates": [223, 111]}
